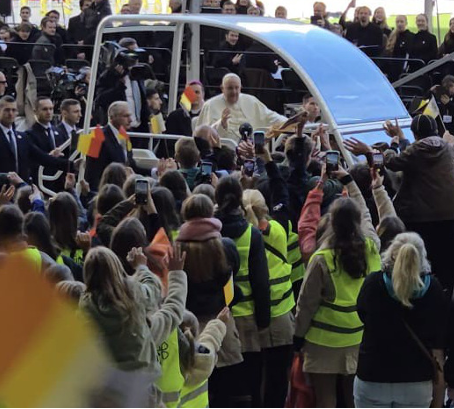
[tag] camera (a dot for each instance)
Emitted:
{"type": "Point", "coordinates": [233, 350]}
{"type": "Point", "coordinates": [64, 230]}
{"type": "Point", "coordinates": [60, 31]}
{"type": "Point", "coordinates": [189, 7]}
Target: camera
{"type": "Point", "coordinates": [64, 84]}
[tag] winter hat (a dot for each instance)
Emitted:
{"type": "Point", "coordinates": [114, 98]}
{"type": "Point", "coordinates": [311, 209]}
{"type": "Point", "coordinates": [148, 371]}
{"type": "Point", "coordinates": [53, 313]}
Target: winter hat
{"type": "Point", "coordinates": [200, 229]}
{"type": "Point", "coordinates": [424, 126]}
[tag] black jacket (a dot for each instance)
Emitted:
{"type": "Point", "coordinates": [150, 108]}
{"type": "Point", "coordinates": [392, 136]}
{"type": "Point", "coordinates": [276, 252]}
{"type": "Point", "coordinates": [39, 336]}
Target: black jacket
{"type": "Point", "coordinates": [28, 156]}
{"type": "Point", "coordinates": [111, 151]}
{"type": "Point", "coordinates": [92, 17]}
{"type": "Point", "coordinates": [21, 51]}
{"type": "Point", "coordinates": [113, 89]}
{"type": "Point", "coordinates": [179, 123]}
{"type": "Point", "coordinates": [426, 193]}
{"type": "Point", "coordinates": [48, 48]}
{"type": "Point", "coordinates": [76, 29]}
{"type": "Point", "coordinates": [233, 226]}
{"type": "Point", "coordinates": [388, 353]}
{"type": "Point", "coordinates": [424, 46]}
{"type": "Point", "coordinates": [371, 35]}
{"type": "Point", "coordinates": [224, 59]}
{"type": "Point", "coordinates": [39, 138]}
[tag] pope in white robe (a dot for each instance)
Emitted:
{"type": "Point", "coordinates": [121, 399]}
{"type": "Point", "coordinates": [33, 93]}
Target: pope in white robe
{"type": "Point", "coordinates": [228, 111]}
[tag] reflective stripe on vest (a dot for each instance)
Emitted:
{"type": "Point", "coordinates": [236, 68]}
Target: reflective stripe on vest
{"type": "Point", "coordinates": [336, 324]}
{"type": "Point", "coordinates": [294, 256]}
{"type": "Point", "coordinates": [195, 396]}
{"type": "Point", "coordinates": [246, 306]}
{"type": "Point", "coordinates": [171, 381]}
{"type": "Point", "coordinates": [76, 255]}
{"type": "Point", "coordinates": [281, 294]}
{"type": "Point", "coordinates": [31, 256]}
{"type": "Point", "coordinates": [60, 260]}
{"type": "Point", "coordinates": [174, 235]}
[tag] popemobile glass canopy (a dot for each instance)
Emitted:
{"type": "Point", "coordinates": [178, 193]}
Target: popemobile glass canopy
{"type": "Point", "coordinates": [354, 96]}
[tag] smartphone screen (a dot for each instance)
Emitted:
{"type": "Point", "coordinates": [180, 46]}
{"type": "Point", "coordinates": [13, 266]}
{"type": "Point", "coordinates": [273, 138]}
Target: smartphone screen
{"type": "Point", "coordinates": [378, 159]}
{"type": "Point", "coordinates": [141, 191]}
{"type": "Point", "coordinates": [249, 165]}
{"type": "Point", "coordinates": [207, 168]}
{"type": "Point", "coordinates": [332, 161]}
{"type": "Point", "coordinates": [259, 141]}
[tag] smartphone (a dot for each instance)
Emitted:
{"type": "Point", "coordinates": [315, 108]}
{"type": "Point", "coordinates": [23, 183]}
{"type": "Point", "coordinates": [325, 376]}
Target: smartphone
{"type": "Point", "coordinates": [207, 170]}
{"type": "Point", "coordinates": [249, 165]}
{"type": "Point", "coordinates": [315, 20]}
{"type": "Point", "coordinates": [141, 191]}
{"type": "Point", "coordinates": [332, 161]}
{"type": "Point", "coordinates": [378, 160]}
{"type": "Point", "coordinates": [259, 141]}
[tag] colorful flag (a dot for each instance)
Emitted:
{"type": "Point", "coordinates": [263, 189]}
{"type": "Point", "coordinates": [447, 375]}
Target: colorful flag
{"type": "Point", "coordinates": [188, 98]}
{"type": "Point", "coordinates": [123, 135]}
{"type": "Point", "coordinates": [157, 125]}
{"type": "Point", "coordinates": [46, 349]}
{"type": "Point", "coordinates": [83, 144]}
{"type": "Point", "coordinates": [90, 144]}
{"type": "Point", "coordinates": [432, 109]}
{"type": "Point", "coordinates": [229, 291]}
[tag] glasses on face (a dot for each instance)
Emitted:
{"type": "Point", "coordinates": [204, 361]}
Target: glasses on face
{"type": "Point", "coordinates": [3, 82]}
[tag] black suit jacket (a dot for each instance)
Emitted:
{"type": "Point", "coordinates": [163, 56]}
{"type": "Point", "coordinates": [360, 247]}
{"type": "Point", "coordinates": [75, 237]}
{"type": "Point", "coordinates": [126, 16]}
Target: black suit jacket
{"type": "Point", "coordinates": [64, 136]}
{"type": "Point", "coordinates": [41, 142]}
{"type": "Point", "coordinates": [76, 30]}
{"type": "Point", "coordinates": [29, 157]}
{"type": "Point", "coordinates": [111, 151]}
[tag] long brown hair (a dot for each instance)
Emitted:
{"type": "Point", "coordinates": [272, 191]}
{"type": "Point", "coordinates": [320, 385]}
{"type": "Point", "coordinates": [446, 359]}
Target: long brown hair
{"type": "Point", "coordinates": [63, 220]}
{"type": "Point", "coordinates": [106, 282]}
{"type": "Point", "coordinates": [210, 253]}
{"type": "Point", "coordinates": [348, 241]}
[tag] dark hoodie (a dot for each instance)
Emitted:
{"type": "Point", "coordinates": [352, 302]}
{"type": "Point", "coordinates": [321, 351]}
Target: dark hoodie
{"type": "Point", "coordinates": [233, 226]}
{"type": "Point", "coordinates": [388, 353]}
{"type": "Point", "coordinates": [427, 190]}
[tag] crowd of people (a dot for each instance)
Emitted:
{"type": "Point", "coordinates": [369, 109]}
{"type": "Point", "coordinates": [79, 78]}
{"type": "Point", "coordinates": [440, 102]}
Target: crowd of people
{"type": "Point", "coordinates": [211, 273]}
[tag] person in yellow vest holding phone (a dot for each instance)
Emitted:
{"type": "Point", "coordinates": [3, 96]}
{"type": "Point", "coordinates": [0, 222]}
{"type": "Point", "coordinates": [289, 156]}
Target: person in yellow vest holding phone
{"type": "Point", "coordinates": [252, 313]}
{"type": "Point", "coordinates": [273, 222]}
{"type": "Point", "coordinates": [13, 243]}
{"type": "Point", "coordinates": [327, 322]}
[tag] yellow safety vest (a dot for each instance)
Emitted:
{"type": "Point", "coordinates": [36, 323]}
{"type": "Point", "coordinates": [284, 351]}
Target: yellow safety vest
{"type": "Point", "coordinates": [246, 306]}
{"type": "Point", "coordinates": [171, 381]}
{"type": "Point", "coordinates": [60, 260]}
{"type": "Point", "coordinates": [294, 256]}
{"type": "Point", "coordinates": [281, 290]}
{"type": "Point", "coordinates": [195, 396]}
{"type": "Point", "coordinates": [174, 235]}
{"type": "Point", "coordinates": [336, 324]}
{"type": "Point", "coordinates": [76, 255]}
{"type": "Point", "coordinates": [32, 256]}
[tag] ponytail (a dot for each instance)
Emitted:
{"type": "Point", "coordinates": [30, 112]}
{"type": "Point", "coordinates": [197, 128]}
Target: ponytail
{"type": "Point", "coordinates": [251, 217]}
{"type": "Point", "coordinates": [406, 274]}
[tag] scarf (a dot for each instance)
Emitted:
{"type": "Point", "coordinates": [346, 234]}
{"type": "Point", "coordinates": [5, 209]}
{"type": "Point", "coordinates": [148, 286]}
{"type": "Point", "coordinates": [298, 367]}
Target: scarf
{"type": "Point", "coordinates": [200, 229]}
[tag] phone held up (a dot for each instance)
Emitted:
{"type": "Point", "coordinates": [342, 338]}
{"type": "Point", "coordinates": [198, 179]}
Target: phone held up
{"type": "Point", "coordinates": [259, 141]}
{"type": "Point", "coordinates": [332, 162]}
{"type": "Point", "coordinates": [249, 165]}
{"type": "Point", "coordinates": [207, 170]}
{"type": "Point", "coordinates": [141, 191]}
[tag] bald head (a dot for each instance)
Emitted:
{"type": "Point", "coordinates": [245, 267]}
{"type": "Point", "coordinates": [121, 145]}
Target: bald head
{"type": "Point", "coordinates": [231, 88]}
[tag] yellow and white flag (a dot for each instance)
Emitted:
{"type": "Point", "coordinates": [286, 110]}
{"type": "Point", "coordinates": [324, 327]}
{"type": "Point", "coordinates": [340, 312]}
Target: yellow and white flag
{"type": "Point", "coordinates": [432, 109]}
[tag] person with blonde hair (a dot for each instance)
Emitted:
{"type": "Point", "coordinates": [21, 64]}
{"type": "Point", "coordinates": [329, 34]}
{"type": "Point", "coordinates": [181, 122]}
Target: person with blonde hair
{"type": "Point", "coordinates": [424, 45]}
{"type": "Point", "coordinates": [379, 18]}
{"type": "Point", "coordinates": [399, 45]}
{"type": "Point", "coordinates": [126, 311]}
{"type": "Point", "coordinates": [404, 312]}
{"type": "Point", "coordinates": [320, 16]}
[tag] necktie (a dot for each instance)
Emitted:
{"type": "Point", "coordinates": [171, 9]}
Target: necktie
{"type": "Point", "coordinates": [12, 142]}
{"type": "Point", "coordinates": [51, 137]}
{"type": "Point", "coordinates": [74, 140]}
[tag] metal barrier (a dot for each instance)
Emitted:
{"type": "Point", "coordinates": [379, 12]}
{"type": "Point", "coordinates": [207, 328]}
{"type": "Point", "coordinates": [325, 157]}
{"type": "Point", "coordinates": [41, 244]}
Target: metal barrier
{"type": "Point", "coordinates": [51, 178]}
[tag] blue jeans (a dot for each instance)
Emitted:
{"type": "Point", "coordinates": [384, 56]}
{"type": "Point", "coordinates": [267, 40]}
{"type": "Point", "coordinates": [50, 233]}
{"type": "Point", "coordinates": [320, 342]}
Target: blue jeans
{"type": "Point", "coordinates": [392, 395]}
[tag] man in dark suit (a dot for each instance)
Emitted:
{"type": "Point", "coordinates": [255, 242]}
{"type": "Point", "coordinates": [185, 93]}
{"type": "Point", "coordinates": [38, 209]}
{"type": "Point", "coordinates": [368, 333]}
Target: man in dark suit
{"type": "Point", "coordinates": [17, 152]}
{"type": "Point", "coordinates": [47, 138]}
{"type": "Point", "coordinates": [75, 33]}
{"type": "Point", "coordinates": [231, 57]}
{"type": "Point", "coordinates": [71, 112]}
{"type": "Point", "coordinates": [113, 148]}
